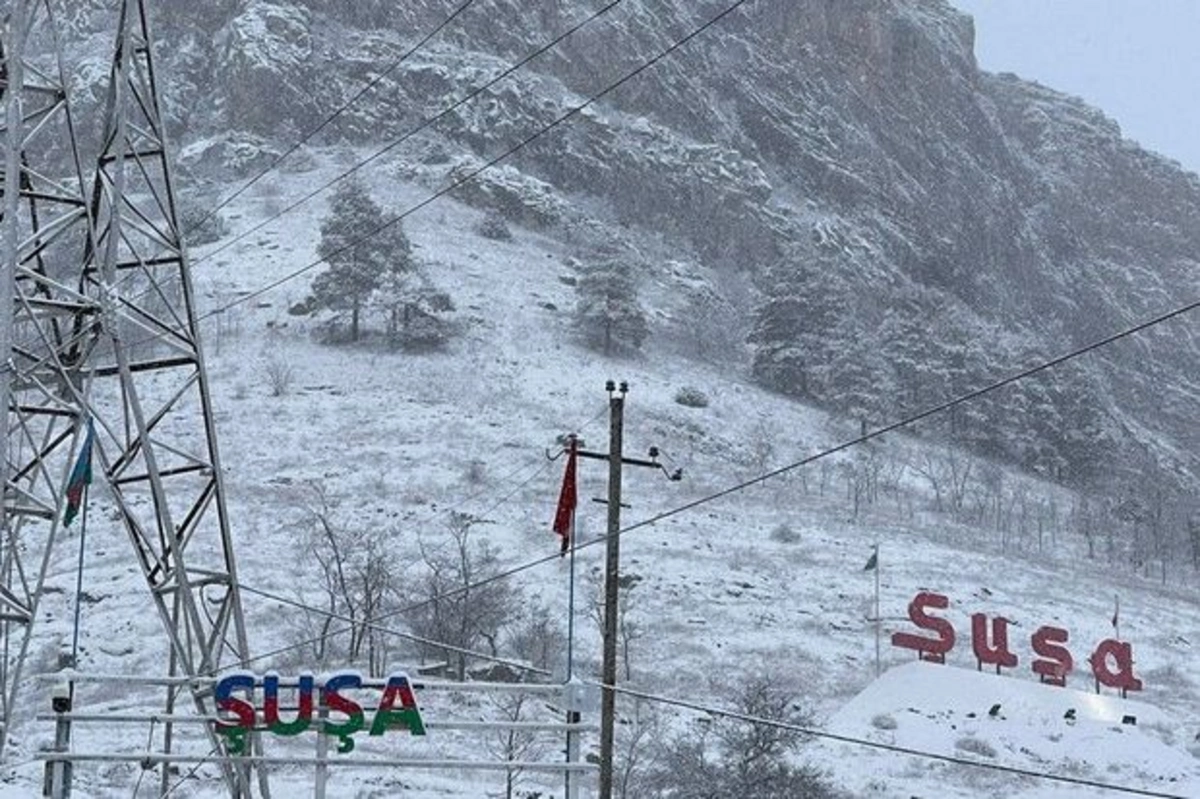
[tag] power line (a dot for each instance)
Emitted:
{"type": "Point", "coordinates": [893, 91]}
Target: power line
{"type": "Point", "coordinates": [212, 754]}
{"type": "Point", "coordinates": [906, 422]}
{"type": "Point", "coordinates": [424, 125]}
{"type": "Point", "coordinates": [328, 120]}
{"type": "Point", "coordinates": [816, 733]}
{"type": "Point", "coordinates": [541, 467]}
{"type": "Point", "coordinates": [534, 474]}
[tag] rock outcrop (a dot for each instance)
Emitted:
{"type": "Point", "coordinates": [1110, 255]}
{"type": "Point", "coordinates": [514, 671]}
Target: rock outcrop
{"type": "Point", "coordinates": [861, 128]}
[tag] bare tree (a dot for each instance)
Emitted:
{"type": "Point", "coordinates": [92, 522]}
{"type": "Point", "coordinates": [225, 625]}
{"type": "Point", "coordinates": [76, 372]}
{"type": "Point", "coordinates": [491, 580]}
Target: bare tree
{"type": "Point", "coordinates": [514, 745]}
{"type": "Point", "coordinates": [762, 446]}
{"type": "Point", "coordinates": [635, 756]}
{"type": "Point", "coordinates": [892, 473]}
{"type": "Point", "coordinates": [1193, 534]}
{"type": "Point", "coordinates": [356, 578]}
{"type": "Point", "coordinates": [1083, 521]}
{"type": "Point", "coordinates": [538, 639]}
{"type": "Point", "coordinates": [861, 473]}
{"type": "Point", "coordinates": [948, 472]}
{"type": "Point", "coordinates": [726, 758]}
{"type": "Point", "coordinates": [460, 604]}
{"type": "Point", "coordinates": [629, 630]}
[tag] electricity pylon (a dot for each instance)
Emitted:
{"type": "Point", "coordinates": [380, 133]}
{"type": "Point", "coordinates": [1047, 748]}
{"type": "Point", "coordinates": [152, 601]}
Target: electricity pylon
{"type": "Point", "coordinates": [130, 358]}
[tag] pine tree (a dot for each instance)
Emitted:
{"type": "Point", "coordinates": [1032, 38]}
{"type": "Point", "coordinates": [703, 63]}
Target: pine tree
{"type": "Point", "coordinates": [1085, 438]}
{"type": "Point", "coordinates": [608, 312]}
{"type": "Point", "coordinates": [361, 250]}
{"type": "Point", "coordinates": [861, 382]}
{"type": "Point", "coordinates": [794, 330]}
{"type": "Point", "coordinates": [908, 346]}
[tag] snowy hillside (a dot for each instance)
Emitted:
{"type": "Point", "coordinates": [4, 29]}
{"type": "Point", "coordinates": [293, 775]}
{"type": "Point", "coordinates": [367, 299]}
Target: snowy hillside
{"type": "Point", "coordinates": [956, 225]}
{"type": "Point", "coordinates": [766, 581]}
{"type": "Point", "coordinates": [812, 221]}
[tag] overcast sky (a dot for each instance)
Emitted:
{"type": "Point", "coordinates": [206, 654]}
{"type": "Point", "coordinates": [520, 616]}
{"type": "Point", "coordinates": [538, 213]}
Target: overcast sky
{"type": "Point", "coordinates": [1137, 60]}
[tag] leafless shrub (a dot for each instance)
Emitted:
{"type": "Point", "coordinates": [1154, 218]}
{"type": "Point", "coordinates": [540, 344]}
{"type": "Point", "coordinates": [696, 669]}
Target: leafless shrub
{"type": "Point", "coordinates": [975, 746]}
{"type": "Point", "coordinates": [539, 639]}
{"type": "Point", "coordinates": [884, 722]}
{"type": "Point", "coordinates": [784, 534]}
{"type": "Point", "coordinates": [280, 374]}
{"type": "Point", "coordinates": [727, 757]}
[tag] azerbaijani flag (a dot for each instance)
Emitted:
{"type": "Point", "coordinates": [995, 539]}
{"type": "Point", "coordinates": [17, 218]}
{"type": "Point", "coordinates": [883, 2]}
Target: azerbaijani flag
{"type": "Point", "coordinates": [81, 477]}
{"type": "Point", "coordinates": [567, 500]}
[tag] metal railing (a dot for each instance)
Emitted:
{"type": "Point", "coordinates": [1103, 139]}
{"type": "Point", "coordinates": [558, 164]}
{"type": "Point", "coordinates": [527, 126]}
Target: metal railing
{"type": "Point", "coordinates": [562, 700]}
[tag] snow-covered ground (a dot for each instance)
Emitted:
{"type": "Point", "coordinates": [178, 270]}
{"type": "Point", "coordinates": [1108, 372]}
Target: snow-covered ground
{"type": "Point", "coordinates": [398, 440]}
{"type": "Point", "coordinates": [978, 717]}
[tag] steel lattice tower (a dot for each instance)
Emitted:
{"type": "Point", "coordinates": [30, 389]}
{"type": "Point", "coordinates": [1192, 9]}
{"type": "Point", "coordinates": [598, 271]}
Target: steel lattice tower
{"type": "Point", "coordinates": [109, 330]}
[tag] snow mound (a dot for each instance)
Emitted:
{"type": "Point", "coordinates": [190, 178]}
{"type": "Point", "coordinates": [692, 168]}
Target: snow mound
{"type": "Point", "coordinates": [1012, 722]}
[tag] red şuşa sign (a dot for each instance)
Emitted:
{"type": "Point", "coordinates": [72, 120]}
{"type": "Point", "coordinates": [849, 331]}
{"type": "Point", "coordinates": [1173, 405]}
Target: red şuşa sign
{"type": "Point", "coordinates": [1111, 660]}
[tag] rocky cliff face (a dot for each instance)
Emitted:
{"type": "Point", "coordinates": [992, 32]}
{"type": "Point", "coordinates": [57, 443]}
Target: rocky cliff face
{"type": "Point", "coordinates": [859, 133]}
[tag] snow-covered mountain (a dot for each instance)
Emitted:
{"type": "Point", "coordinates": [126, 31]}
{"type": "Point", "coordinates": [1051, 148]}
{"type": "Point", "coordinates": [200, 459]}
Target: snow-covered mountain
{"type": "Point", "coordinates": [965, 225]}
{"type": "Point", "coordinates": [388, 445]}
{"type": "Point", "coordinates": [1004, 220]}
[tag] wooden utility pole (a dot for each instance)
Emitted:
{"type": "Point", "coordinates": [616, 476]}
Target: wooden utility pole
{"type": "Point", "coordinates": [612, 570]}
{"type": "Point", "coordinates": [612, 565]}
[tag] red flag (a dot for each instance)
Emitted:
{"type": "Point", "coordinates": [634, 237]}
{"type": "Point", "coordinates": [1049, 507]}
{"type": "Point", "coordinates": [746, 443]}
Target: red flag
{"type": "Point", "coordinates": [566, 503]}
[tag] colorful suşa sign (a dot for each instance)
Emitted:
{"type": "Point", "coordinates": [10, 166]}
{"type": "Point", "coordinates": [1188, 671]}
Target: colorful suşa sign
{"type": "Point", "coordinates": [1111, 660]}
{"type": "Point", "coordinates": [340, 713]}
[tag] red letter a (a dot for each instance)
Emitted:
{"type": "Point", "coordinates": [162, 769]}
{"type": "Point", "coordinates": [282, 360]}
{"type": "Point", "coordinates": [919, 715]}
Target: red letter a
{"type": "Point", "coordinates": [1123, 677]}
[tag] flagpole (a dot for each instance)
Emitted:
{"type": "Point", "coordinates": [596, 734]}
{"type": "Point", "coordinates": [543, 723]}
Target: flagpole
{"type": "Point", "coordinates": [877, 620]}
{"type": "Point", "coordinates": [571, 605]}
{"type": "Point", "coordinates": [573, 712]}
{"type": "Point", "coordinates": [573, 444]}
{"type": "Point", "coordinates": [1117, 617]}
{"type": "Point", "coordinates": [79, 580]}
